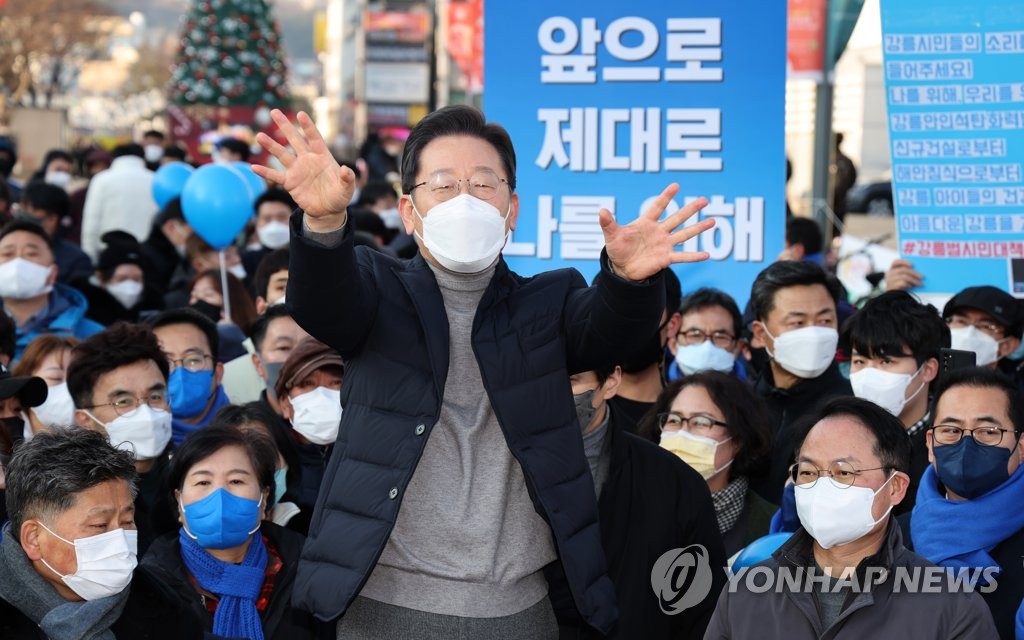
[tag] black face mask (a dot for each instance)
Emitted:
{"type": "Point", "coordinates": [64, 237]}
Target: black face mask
{"type": "Point", "coordinates": [14, 428]}
{"type": "Point", "coordinates": [6, 166]}
{"type": "Point", "coordinates": [210, 311]}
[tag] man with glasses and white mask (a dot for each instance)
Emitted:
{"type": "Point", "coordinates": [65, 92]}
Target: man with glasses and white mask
{"type": "Point", "coordinates": [968, 513]}
{"type": "Point", "coordinates": [68, 559]}
{"type": "Point", "coordinates": [709, 335]}
{"type": "Point", "coordinates": [459, 422]}
{"type": "Point", "coordinates": [118, 380]}
{"type": "Point", "coordinates": [895, 343]}
{"type": "Point", "coordinates": [989, 322]}
{"type": "Point", "coordinates": [853, 572]}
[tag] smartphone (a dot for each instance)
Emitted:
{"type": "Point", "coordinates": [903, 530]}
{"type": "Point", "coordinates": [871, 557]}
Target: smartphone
{"type": "Point", "coordinates": [953, 359]}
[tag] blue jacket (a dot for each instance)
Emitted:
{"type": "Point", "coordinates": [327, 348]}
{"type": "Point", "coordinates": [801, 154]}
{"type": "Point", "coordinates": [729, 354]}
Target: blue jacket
{"type": "Point", "coordinates": [64, 315]}
{"type": "Point", "coordinates": [387, 319]}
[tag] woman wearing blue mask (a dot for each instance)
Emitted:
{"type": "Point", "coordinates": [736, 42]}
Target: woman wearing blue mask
{"type": "Point", "coordinates": [719, 426]}
{"type": "Point", "coordinates": [227, 562]}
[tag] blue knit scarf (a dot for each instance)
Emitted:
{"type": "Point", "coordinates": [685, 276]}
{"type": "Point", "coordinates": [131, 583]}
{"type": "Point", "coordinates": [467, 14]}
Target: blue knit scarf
{"type": "Point", "coordinates": [237, 585]}
{"type": "Point", "coordinates": [981, 524]}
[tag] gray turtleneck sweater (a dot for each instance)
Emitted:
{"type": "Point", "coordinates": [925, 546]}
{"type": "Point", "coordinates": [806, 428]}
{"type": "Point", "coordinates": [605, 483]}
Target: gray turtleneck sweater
{"type": "Point", "coordinates": [468, 541]}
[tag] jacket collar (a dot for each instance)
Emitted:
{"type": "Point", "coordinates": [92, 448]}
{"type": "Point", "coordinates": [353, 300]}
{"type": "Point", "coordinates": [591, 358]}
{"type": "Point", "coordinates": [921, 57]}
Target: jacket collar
{"type": "Point", "coordinates": [798, 550]}
{"type": "Point", "coordinates": [812, 387]}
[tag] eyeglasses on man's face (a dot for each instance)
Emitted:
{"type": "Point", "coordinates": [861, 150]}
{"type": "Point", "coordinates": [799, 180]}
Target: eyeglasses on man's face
{"type": "Point", "coordinates": [721, 339]}
{"type": "Point", "coordinates": [444, 186]}
{"type": "Point", "coordinates": [841, 473]}
{"type": "Point", "coordinates": [194, 362]}
{"type": "Point", "coordinates": [127, 403]}
{"type": "Point", "coordinates": [988, 436]}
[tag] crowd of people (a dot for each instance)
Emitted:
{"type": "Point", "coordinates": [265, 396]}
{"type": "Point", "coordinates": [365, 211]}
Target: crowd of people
{"type": "Point", "coordinates": [393, 435]}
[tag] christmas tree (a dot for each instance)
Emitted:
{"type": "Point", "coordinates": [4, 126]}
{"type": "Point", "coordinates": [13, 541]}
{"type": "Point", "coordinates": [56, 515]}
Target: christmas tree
{"type": "Point", "coordinates": [229, 55]}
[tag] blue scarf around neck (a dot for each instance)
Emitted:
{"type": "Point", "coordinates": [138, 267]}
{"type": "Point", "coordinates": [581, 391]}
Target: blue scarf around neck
{"type": "Point", "coordinates": [237, 585]}
{"type": "Point", "coordinates": [981, 524]}
{"type": "Point", "coordinates": [180, 428]}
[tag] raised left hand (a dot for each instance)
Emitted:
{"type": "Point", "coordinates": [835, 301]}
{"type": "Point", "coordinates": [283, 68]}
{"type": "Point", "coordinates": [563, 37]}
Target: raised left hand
{"type": "Point", "coordinates": [647, 245]}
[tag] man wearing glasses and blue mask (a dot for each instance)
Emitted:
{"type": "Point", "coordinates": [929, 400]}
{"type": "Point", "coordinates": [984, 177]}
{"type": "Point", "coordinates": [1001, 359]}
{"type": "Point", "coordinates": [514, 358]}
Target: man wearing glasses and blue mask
{"type": "Point", "coordinates": [846, 572]}
{"type": "Point", "coordinates": [459, 421]}
{"type": "Point", "coordinates": [968, 513]}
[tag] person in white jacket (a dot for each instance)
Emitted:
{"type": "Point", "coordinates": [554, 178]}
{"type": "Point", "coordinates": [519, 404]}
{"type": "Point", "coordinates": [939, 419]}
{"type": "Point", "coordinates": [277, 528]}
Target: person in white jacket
{"type": "Point", "coordinates": [119, 198]}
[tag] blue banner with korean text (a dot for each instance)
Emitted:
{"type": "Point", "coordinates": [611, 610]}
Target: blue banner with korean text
{"type": "Point", "coordinates": [609, 102]}
{"type": "Point", "coordinates": [954, 74]}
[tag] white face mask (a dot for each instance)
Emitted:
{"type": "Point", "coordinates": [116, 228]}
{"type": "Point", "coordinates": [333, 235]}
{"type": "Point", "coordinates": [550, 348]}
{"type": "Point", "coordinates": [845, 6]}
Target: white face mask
{"type": "Point", "coordinates": [464, 234]}
{"type": "Point", "coordinates": [806, 352]}
{"type": "Point", "coordinates": [697, 451]}
{"type": "Point", "coordinates": [984, 346]}
{"type": "Point", "coordinates": [127, 292]}
{"type": "Point", "coordinates": [153, 153]}
{"type": "Point", "coordinates": [391, 217]}
{"type": "Point", "coordinates": [106, 562]}
{"type": "Point", "coordinates": [58, 178]}
{"type": "Point", "coordinates": [22, 279]}
{"type": "Point", "coordinates": [836, 515]}
{"type": "Point", "coordinates": [885, 388]}
{"type": "Point", "coordinates": [274, 235]}
{"type": "Point", "coordinates": [703, 357]}
{"type": "Point", "coordinates": [317, 415]}
{"type": "Point", "coordinates": [238, 271]}
{"type": "Point", "coordinates": [145, 431]}
{"type": "Point", "coordinates": [59, 408]}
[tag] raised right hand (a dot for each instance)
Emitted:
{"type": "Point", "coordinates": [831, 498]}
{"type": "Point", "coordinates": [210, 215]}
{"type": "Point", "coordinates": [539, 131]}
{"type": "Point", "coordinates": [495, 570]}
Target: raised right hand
{"type": "Point", "coordinates": [311, 175]}
{"type": "Point", "coordinates": [901, 275]}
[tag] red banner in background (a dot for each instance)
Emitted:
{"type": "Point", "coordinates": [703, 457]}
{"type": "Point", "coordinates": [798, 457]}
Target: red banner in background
{"type": "Point", "coordinates": [199, 127]}
{"type": "Point", "coordinates": [805, 34]}
{"type": "Point", "coordinates": [466, 40]}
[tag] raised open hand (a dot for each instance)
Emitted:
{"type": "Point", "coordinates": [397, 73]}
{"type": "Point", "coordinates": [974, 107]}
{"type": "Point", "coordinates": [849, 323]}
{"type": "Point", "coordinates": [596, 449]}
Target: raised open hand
{"type": "Point", "coordinates": [647, 245]}
{"type": "Point", "coordinates": [311, 175]}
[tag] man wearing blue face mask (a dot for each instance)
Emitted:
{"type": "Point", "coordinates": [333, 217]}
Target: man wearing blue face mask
{"type": "Point", "coordinates": [190, 342]}
{"type": "Point", "coordinates": [968, 512]}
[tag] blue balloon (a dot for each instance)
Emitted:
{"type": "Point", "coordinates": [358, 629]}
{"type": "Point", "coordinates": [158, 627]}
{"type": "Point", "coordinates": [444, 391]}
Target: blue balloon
{"type": "Point", "coordinates": [217, 202]}
{"type": "Point", "coordinates": [256, 183]}
{"type": "Point", "coordinates": [759, 550]}
{"type": "Point", "coordinates": [169, 180]}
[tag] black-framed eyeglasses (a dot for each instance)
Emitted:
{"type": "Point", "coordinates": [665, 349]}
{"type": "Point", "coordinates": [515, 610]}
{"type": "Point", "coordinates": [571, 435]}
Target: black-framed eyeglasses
{"type": "Point", "coordinates": [842, 474]}
{"type": "Point", "coordinates": [444, 186]}
{"type": "Point", "coordinates": [193, 363]}
{"type": "Point", "coordinates": [676, 422]}
{"type": "Point", "coordinates": [722, 339]}
{"type": "Point", "coordinates": [991, 328]}
{"type": "Point", "coordinates": [985, 436]}
{"type": "Point", "coordinates": [127, 403]}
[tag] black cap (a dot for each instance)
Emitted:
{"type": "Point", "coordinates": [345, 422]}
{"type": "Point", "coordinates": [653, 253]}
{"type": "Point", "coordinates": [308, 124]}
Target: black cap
{"type": "Point", "coordinates": [29, 389]}
{"type": "Point", "coordinates": [1004, 308]}
{"type": "Point", "coordinates": [121, 248]}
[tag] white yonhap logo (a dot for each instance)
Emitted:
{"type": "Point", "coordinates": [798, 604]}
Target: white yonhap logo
{"type": "Point", "coordinates": [681, 578]}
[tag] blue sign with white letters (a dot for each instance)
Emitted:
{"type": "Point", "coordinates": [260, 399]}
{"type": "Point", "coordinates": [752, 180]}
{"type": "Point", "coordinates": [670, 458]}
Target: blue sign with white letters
{"type": "Point", "coordinates": [954, 75]}
{"type": "Point", "coordinates": [609, 102]}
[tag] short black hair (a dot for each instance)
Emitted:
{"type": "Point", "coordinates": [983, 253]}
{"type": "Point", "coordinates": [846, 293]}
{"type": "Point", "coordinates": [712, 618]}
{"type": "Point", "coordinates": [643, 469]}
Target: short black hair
{"type": "Point", "coordinates": [456, 120]}
{"type": "Point", "coordinates": [46, 197]}
{"type": "Point", "coordinates": [175, 151]}
{"type": "Point", "coordinates": [28, 227]}
{"type": "Point", "coordinates": [746, 417]}
{"type": "Point", "coordinates": [893, 322]}
{"type": "Point", "coordinates": [788, 273]}
{"type": "Point", "coordinates": [118, 346]}
{"type": "Point", "coordinates": [805, 232]}
{"type": "Point", "coordinates": [275, 194]}
{"type": "Point", "coordinates": [707, 297]}
{"type": "Point", "coordinates": [892, 446]}
{"type": "Point", "coordinates": [603, 373]}
{"type": "Point", "coordinates": [203, 443]}
{"type": "Point", "coordinates": [187, 315]}
{"type": "Point", "coordinates": [171, 211]}
{"type": "Point", "coordinates": [130, 149]}
{"type": "Point", "coordinates": [673, 292]}
{"type": "Point", "coordinates": [234, 145]}
{"type": "Point", "coordinates": [154, 133]}
{"type": "Point", "coordinates": [982, 378]}
{"type": "Point", "coordinates": [239, 416]}
{"type": "Point", "coordinates": [8, 336]}
{"type": "Point", "coordinates": [55, 154]}
{"type": "Point", "coordinates": [375, 190]}
{"type": "Point", "coordinates": [273, 262]}
{"type": "Point", "coordinates": [258, 330]}
{"type": "Point", "coordinates": [46, 473]}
